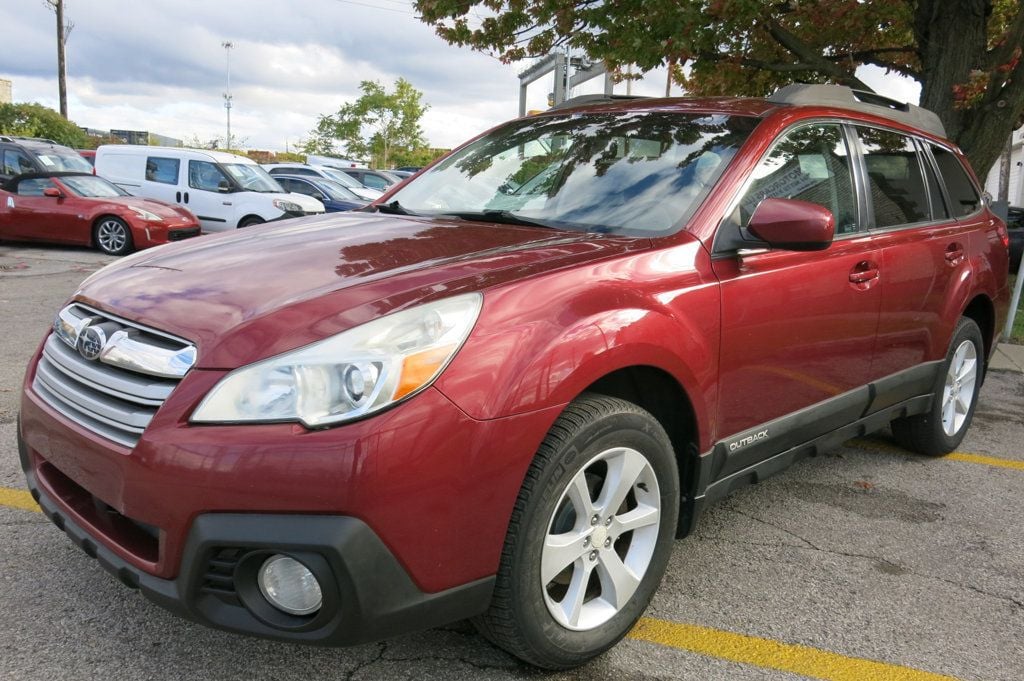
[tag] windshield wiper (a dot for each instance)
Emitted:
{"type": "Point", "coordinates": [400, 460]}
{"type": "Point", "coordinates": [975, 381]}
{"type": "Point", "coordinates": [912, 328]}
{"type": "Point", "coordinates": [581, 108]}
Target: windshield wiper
{"type": "Point", "coordinates": [393, 208]}
{"type": "Point", "coordinates": [505, 217]}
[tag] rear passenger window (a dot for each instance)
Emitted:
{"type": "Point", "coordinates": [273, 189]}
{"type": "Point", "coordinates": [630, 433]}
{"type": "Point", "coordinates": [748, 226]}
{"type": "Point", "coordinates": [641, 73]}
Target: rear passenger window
{"type": "Point", "coordinates": [164, 170]}
{"type": "Point", "coordinates": [897, 188]}
{"type": "Point", "coordinates": [962, 194]}
{"type": "Point", "coordinates": [811, 164]}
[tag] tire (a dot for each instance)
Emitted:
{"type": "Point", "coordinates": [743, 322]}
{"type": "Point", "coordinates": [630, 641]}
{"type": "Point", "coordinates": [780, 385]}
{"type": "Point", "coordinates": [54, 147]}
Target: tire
{"type": "Point", "coordinates": [942, 428]}
{"type": "Point", "coordinates": [590, 444]}
{"type": "Point", "coordinates": [250, 220]}
{"type": "Point", "coordinates": [113, 236]}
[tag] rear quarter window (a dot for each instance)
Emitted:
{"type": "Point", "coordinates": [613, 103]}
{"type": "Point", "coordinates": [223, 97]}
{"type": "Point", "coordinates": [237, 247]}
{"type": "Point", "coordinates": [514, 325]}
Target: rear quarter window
{"type": "Point", "coordinates": [898, 191]}
{"type": "Point", "coordinates": [162, 170]}
{"type": "Point", "coordinates": [963, 196]}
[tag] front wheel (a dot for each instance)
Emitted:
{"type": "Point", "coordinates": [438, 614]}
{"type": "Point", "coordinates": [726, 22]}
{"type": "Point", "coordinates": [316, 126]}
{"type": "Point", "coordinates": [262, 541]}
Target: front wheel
{"type": "Point", "coordinates": [590, 535]}
{"type": "Point", "coordinates": [250, 221]}
{"type": "Point", "coordinates": [943, 427]}
{"type": "Point", "coordinates": [112, 236]}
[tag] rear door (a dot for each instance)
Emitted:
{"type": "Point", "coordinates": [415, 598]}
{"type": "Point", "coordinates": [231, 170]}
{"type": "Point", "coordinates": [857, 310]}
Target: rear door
{"type": "Point", "coordinates": [798, 328]}
{"type": "Point", "coordinates": [924, 244]}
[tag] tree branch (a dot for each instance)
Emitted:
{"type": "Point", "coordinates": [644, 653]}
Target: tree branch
{"type": "Point", "coordinates": [810, 57]}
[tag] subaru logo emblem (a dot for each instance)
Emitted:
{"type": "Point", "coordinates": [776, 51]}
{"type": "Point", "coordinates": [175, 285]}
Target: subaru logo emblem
{"type": "Point", "coordinates": [91, 342]}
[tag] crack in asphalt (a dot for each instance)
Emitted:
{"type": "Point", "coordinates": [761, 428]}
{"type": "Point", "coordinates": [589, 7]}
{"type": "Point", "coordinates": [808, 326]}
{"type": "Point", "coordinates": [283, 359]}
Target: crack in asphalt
{"type": "Point", "coordinates": [784, 530]}
{"type": "Point", "coordinates": [363, 665]}
{"type": "Point", "coordinates": [863, 556]}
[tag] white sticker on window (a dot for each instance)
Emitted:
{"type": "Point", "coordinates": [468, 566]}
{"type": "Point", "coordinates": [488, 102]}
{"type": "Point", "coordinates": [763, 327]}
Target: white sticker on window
{"type": "Point", "coordinates": [45, 160]}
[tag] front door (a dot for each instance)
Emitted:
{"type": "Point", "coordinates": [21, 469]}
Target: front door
{"type": "Point", "coordinates": [798, 328]}
{"type": "Point", "coordinates": [205, 199]}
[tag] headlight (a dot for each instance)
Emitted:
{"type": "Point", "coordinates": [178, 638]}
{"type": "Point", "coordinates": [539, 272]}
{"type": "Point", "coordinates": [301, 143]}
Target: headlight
{"type": "Point", "coordinates": [287, 206]}
{"type": "Point", "coordinates": [354, 373]}
{"type": "Point", "coordinates": [146, 215]}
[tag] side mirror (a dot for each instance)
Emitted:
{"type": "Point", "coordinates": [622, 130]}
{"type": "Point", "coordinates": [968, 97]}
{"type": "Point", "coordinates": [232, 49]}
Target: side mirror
{"type": "Point", "coordinates": [793, 225]}
{"type": "Point", "coordinates": [224, 187]}
{"type": "Point", "coordinates": [52, 192]}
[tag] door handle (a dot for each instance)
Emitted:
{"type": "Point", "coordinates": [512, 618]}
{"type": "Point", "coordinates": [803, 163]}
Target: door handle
{"type": "Point", "coordinates": [864, 272]}
{"type": "Point", "coordinates": [954, 253]}
{"type": "Point", "coordinates": [186, 197]}
{"type": "Point", "coordinates": [177, 197]}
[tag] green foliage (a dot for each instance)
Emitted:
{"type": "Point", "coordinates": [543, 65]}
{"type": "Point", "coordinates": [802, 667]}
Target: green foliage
{"type": "Point", "coordinates": [380, 125]}
{"type": "Point", "coordinates": [36, 120]}
{"type": "Point", "coordinates": [965, 53]}
{"type": "Point", "coordinates": [418, 156]}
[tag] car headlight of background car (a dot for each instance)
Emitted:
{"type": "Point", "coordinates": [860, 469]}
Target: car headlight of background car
{"type": "Point", "coordinates": [287, 206]}
{"type": "Point", "coordinates": [145, 214]}
{"type": "Point", "coordinates": [349, 375]}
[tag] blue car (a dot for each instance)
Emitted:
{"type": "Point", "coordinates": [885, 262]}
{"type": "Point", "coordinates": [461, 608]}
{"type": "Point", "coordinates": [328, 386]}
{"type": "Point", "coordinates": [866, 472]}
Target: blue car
{"type": "Point", "coordinates": [333, 195]}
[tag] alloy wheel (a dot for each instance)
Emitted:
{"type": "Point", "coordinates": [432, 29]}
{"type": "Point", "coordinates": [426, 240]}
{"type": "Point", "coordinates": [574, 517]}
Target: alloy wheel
{"type": "Point", "coordinates": [958, 393]}
{"type": "Point", "coordinates": [112, 236]}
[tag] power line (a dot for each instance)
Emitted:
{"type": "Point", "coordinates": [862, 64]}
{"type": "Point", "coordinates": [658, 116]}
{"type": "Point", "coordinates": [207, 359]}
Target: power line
{"type": "Point", "coordinates": [386, 9]}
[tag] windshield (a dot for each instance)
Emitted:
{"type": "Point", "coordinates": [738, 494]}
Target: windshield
{"type": "Point", "coordinates": [339, 176]}
{"type": "Point", "coordinates": [92, 186]}
{"type": "Point", "coordinates": [252, 177]}
{"type": "Point", "coordinates": [57, 160]}
{"type": "Point", "coordinates": [336, 191]}
{"type": "Point", "coordinates": [634, 173]}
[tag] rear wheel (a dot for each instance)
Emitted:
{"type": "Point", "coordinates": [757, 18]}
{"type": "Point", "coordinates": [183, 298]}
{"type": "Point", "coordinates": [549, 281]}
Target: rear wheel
{"type": "Point", "coordinates": [943, 427]}
{"type": "Point", "coordinates": [112, 236]}
{"type": "Point", "coordinates": [590, 536]}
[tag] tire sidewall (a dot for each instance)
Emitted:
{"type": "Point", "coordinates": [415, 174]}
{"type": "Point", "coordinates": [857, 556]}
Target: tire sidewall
{"type": "Point", "coordinates": [633, 430]}
{"type": "Point", "coordinates": [966, 330]}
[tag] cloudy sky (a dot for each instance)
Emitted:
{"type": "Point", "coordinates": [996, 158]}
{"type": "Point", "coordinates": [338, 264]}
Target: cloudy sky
{"type": "Point", "coordinates": [158, 65]}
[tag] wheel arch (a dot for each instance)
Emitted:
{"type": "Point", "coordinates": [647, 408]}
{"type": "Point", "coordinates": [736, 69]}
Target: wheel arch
{"type": "Point", "coordinates": [248, 216]}
{"type": "Point", "coordinates": [983, 312]}
{"type": "Point", "coordinates": [659, 393]}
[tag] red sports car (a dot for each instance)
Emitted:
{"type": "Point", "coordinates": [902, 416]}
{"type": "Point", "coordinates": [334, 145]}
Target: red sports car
{"type": "Point", "coordinates": [78, 208]}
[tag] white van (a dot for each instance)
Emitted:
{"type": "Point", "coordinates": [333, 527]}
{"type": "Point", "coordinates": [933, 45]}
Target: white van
{"type": "Point", "coordinates": [224, 191]}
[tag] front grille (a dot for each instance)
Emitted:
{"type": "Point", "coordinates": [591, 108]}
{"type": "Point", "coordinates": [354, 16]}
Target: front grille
{"type": "Point", "coordinates": [110, 401]}
{"type": "Point", "coordinates": [179, 234]}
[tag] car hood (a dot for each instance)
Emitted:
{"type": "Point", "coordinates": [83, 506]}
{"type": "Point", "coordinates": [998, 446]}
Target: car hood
{"type": "Point", "coordinates": [158, 208]}
{"type": "Point", "coordinates": [245, 295]}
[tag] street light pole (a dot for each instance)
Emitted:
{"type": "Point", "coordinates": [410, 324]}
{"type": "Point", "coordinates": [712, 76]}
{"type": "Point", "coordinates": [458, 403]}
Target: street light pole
{"type": "Point", "coordinates": [227, 45]}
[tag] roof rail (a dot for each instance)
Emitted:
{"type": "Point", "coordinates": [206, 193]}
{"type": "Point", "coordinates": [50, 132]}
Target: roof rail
{"type": "Point", "coordinates": [591, 100]}
{"type": "Point", "coordinates": [6, 138]}
{"type": "Point", "coordinates": [859, 100]}
{"type": "Point", "coordinates": [15, 138]}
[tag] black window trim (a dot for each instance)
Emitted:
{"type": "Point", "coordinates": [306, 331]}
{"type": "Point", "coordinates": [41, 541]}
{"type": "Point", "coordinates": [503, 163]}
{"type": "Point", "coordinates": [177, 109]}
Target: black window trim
{"type": "Point", "coordinates": [945, 191]}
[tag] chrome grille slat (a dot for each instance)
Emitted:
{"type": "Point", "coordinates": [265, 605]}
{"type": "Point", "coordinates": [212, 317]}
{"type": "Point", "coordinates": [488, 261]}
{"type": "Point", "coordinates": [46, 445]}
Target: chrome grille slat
{"type": "Point", "coordinates": [116, 382]}
{"type": "Point", "coordinates": [92, 402]}
{"type": "Point", "coordinates": [115, 402]}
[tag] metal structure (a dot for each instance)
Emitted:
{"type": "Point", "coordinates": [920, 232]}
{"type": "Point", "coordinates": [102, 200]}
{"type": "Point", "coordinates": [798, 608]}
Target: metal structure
{"type": "Point", "coordinates": [227, 45]}
{"type": "Point", "coordinates": [559, 64]}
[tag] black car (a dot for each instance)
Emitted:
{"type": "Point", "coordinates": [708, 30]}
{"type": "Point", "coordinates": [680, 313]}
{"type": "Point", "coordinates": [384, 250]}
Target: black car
{"type": "Point", "coordinates": [1015, 225]}
{"type": "Point", "coordinates": [20, 155]}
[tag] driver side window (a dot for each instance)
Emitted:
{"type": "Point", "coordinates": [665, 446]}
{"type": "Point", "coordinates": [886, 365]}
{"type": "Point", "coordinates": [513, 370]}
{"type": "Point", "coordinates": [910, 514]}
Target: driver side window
{"type": "Point", "coordinates": [810, 164]}
{"type": "Point", "coordinates": [206, 176]}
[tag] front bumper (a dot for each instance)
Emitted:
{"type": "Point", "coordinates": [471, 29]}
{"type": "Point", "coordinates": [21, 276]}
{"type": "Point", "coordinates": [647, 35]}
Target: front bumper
{"type": "Point", "coordinates": [367, 593]}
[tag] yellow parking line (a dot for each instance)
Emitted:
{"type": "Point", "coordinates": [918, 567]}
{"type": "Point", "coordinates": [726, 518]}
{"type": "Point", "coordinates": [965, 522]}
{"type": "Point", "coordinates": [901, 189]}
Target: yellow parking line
{"type": "Point", "coordinates": [763, 652]}
{"type": "Point", "coordinates": [985, 460]}
{"type": "Point", "coordinates": [968, 457]}
{"type": "Point", "coordinates": [18, 498]}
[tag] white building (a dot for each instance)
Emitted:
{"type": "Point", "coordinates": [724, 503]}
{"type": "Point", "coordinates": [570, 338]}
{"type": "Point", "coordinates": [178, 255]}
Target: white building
{"type": "Point", "coordinates": [5, 91]}
{"type": "Point", "coordinates": [1016, 172]}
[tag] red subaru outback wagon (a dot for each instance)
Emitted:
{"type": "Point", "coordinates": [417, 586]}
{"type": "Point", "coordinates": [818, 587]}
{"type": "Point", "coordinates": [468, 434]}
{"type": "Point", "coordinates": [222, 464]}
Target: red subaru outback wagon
{"type": "Point", "coordinates": [504, 389]}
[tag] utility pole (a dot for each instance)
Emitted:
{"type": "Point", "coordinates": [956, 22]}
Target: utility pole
{"type": "Point", "coordinates": [227, 45]}
{"type": "Point", "coordinates": [63, 30]}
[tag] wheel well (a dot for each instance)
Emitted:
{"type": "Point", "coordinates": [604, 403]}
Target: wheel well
{"type": "Point", "coordinates": [659, 393]}
{"type": "Point", "coordinates": [981, 311]}
{"type": "Point", "coordinates": [249, 216]}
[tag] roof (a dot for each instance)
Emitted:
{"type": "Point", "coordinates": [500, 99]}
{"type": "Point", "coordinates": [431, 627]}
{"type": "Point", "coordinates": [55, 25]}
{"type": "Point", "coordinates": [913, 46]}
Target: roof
{"type": "Point", "coordinates": [220, 156]}
{"type": "Point", "coordinates": [31, 141]}
{"type": "Point", "coordinates": [14, 181]}
{"type": "Point", "coordinates": [796, 95]}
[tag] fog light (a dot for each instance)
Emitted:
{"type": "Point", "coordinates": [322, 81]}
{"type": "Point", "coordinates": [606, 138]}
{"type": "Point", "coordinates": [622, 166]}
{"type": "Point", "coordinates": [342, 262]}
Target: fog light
{"type": "Point", "coordinates": [289, 586]}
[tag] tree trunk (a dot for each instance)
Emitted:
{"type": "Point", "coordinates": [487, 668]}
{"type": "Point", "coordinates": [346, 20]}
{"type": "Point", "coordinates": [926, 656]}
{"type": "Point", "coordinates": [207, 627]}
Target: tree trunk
{"type": "Point", "coordinates": [952, 41]}
{"type": "Point", "coordinates": [62, 85]}
{"type": "Point", "coordinates": [1004, 171]}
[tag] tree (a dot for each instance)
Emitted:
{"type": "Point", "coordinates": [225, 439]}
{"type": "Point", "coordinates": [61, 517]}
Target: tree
{"type": "Point", "coordinates": [378, 124]}
{"type": "Point", "coordinates": [36, 120]}
{"type": "Point", "coordinates": [966, 54]}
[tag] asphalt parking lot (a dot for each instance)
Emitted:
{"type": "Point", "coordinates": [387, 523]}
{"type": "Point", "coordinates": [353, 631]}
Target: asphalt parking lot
{"type": "Point", "coordinates": [865, 563]}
